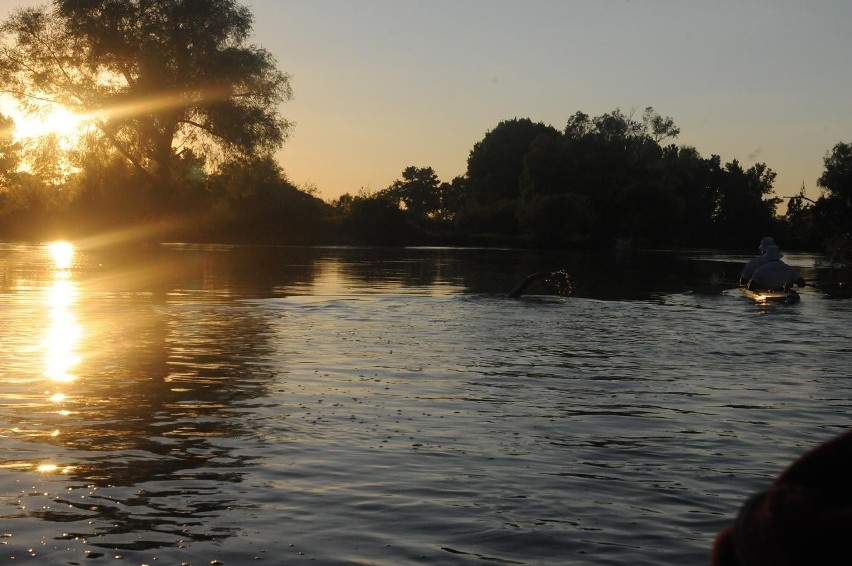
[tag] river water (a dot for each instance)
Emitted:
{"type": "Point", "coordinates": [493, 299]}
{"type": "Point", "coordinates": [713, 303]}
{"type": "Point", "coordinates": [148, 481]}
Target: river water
{"type": "Point", "coordinates": [231, 405]}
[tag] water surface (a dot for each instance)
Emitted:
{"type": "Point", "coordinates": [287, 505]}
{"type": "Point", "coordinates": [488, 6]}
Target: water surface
{"type": "Point", "coordinates": [189, 404]}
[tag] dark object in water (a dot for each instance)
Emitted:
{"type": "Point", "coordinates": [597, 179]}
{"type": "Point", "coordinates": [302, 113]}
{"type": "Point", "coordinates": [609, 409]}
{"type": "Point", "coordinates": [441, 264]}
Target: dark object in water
{"type": "Point", "coordinates": [526, 283]}
{"type": "Point", "coordinates": [804, 518]}
{"type": "Point", "coordinates": [560, 279]}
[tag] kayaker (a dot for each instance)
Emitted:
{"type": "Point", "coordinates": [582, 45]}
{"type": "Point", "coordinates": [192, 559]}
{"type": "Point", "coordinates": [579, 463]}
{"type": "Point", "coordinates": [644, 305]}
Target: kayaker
{"type": "Point", "coordinates": [756, 262]}
{"type": "Point", "coordinates": [774, 275]}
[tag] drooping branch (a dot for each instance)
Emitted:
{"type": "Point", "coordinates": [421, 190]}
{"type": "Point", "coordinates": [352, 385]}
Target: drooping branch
{"type": "Point", "coordinates": [120, 147]}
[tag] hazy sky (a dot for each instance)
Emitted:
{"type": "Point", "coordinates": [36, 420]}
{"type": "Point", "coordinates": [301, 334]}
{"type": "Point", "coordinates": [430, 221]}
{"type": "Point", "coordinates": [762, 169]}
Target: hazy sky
{"type": "Point", "coordinates": [383, 84]}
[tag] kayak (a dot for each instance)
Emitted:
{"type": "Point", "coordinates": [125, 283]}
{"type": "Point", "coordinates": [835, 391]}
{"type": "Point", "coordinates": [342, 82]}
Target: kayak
{"type": "Point", "coordinates": [787, 297]}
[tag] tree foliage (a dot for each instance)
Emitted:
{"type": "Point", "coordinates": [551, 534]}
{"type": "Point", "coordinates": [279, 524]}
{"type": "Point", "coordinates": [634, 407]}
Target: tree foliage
{"type": "Point", "coordinates": [496, 162]}
{"type": "Point", "coordinates": [10, 153]}
{"type": "Point", "coordinates": [600, 180]}
{"type": "Point", "coordinates": [371, 219]}
{"type": "Point", "coordinates": [832, 212]}
{"type": "Point", "coordinates": [744, 208]}
{"type": "Point", "coordinates": [609, 177]}
{"type": "Point", "coordinates": [160, 80]}
{"type": "Point", "coordinates": [253, 202]}
{"type": "Point", "coordinates": [181, 109]}
{"type": "Point", "coordinates": [836, 179]}
{"type": "Point", "coordinates": [418, 193]}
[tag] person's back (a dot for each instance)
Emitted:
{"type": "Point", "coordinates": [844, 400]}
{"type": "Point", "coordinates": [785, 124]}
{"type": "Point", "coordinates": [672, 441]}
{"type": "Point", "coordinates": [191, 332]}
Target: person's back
{"type": "Point", "coordinates": [755, 263]}
{"type": "Point", "coordinates": [774, 274]}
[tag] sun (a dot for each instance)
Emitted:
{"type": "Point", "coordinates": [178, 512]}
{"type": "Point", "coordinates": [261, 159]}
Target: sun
{"type": "Point", "coordinates": [33, 121]}
{"type": "Point", "coordinates": [48, 134]}
{"type": "Point", "coordinates": [60, 122]}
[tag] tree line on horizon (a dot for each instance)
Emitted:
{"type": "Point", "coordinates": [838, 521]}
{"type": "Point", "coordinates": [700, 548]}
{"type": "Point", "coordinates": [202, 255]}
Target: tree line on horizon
{"type": "Point", "coordinates": [184, 122]}
{"type": "Point", "coordinates": [603, 180]}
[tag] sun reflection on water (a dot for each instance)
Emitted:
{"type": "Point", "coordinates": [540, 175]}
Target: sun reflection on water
{"type": "Point", "coordinates": [62, 340]}
{"type": "Point", "coordinates": [53, 468]}
{"type": "Point", "coordinates": [63, 334]}
{"type": "Point", "coordinates": [62, 254]}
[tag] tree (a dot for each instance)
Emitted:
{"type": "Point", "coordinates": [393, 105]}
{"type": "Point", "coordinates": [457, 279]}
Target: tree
{"type": "Point", "coordinates": [252, 201]}
{"type": "Point", "coordinates": [836, 179]}
{"type": "Point", "coordinates": [799, 220]}
{"type": "Point", "coordinates": [418, 193]}
{"type": "Point", "coordinates": [687, 174]}
{"type": "Point", "coordinates": [545, 167]}
{"type": "Point", "coordinates": [373, 220]}
{"type": "Point", "coordinates": [657, 127]}
{"type": "Point", "coordinates": [160, 79]}
{"type": "Point", "coordinates": [496, 162]}
{"type": "Point", "coordinates": [494, 178]}
{"type": "Point", "coordinates": [453, 196]}
{"type": "Point", "coordinates": [833, 210]}
{"type": "Point", "coordinates": [9, 153]}
{"type": "Point", "coordinates": [558, 219]}
{"type": "Point", "coordinates": [744, 211]}
{"type": "Point", "coordinates": [616, 162]}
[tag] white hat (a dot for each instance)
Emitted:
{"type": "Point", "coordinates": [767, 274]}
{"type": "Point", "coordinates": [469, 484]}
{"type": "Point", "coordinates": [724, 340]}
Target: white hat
{"type": "Point", "coordinates": [765, 243]}
{"type": "Point", "coordinates": [773, 252]}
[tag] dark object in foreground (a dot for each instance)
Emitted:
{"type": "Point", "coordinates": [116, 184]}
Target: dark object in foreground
{"type": "Point", "coordinates": [804, 518]}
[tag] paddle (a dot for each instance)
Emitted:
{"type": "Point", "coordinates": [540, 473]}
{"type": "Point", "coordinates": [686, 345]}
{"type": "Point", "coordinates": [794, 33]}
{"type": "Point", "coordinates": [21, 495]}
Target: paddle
{"type": "Point", "coordinates": [837, 290]}
{"type": "Point", "coordinates": [834, 291]}
{"type": "Point", "coordinates": [715, 286]}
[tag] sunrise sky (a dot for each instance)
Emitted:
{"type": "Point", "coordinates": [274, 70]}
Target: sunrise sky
{"type": "Point", "coordinates": [383, 84]}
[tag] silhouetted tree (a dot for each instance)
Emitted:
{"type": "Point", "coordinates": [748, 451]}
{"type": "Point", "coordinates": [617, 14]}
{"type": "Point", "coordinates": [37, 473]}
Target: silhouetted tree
{"type": "Point", "coordinates": [29, 206]}
{"type": "Point", "coordinates": [799, 222]}
{"type": "Point", "coordinates": [496, 162]}
{"type": "Point", "coordinates": [833, 210]}
{"type": "Point", "coordinates": [108, 194]}
{"type": "Point", "coordinates": [418, 194]}
{"type": "Point", "coordinates": [372, 220]}
{"type": "Point", "coordinates": [493, 180]}
{"type": "Point", "coordinates": [252, 201]}
{"type": "Point", "coordinates": [836, 179]}
{"type": "Point", "coordinates": [658, 128]}
{"type": "Point", "coordinates": [545, 170]}
{"type": "Point", "coordinates": [558, 219]}
{"type": "Point", "coordinates": [10, 157]}
{"type": "Point", "coordinates": [686, 173]}
{"type": "Point", "coordinates": [453, 197]}
{"type": "Point", "coordinates": [612, 167]}
{"type": "Point", "coordinates": [744, 210]}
